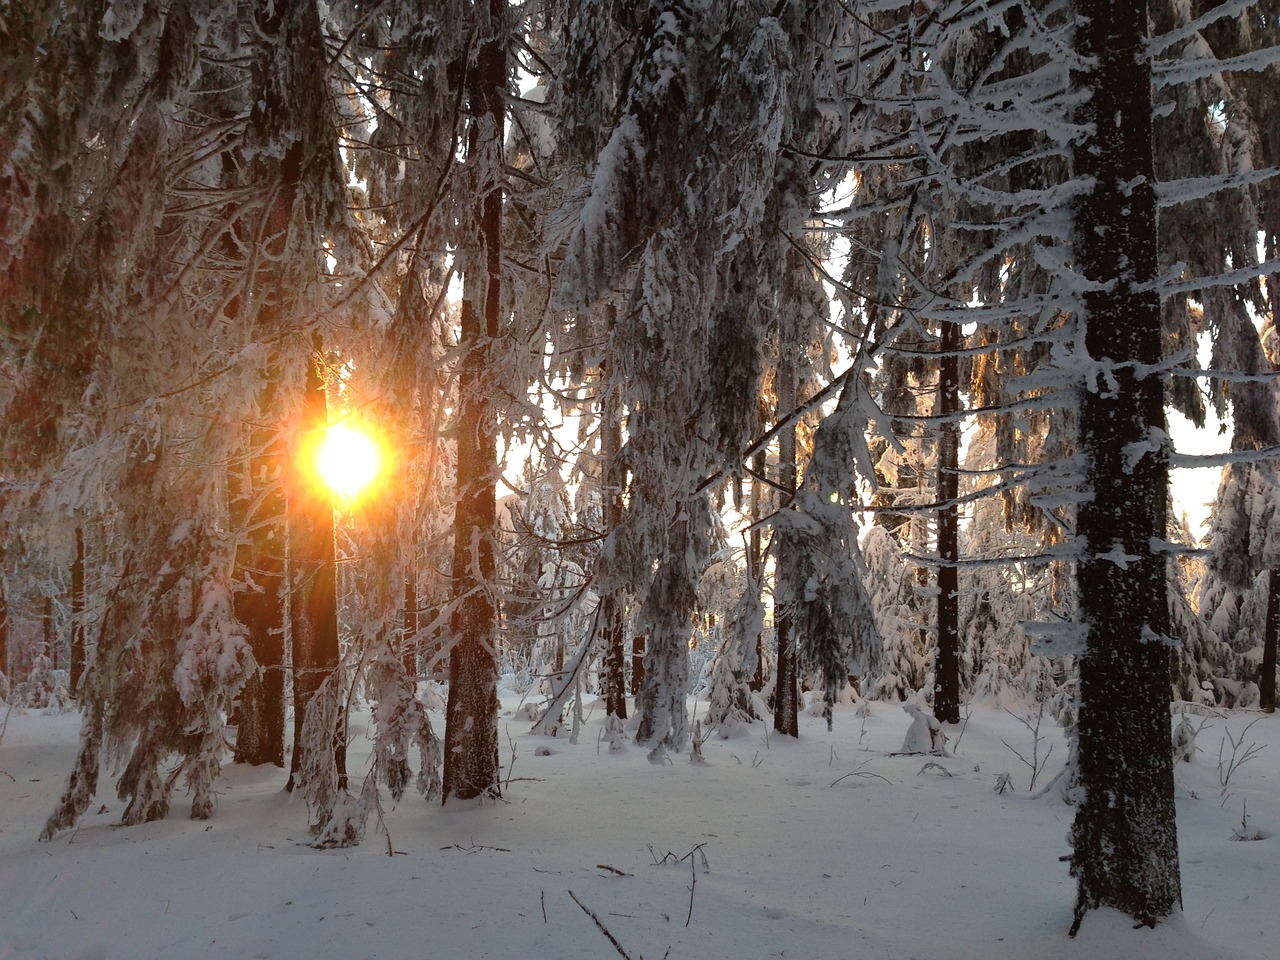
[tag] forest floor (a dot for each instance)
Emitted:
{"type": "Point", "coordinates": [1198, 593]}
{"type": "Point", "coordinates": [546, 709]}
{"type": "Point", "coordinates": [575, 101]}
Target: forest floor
{"type": "Point", "coordinates": [830, 846]}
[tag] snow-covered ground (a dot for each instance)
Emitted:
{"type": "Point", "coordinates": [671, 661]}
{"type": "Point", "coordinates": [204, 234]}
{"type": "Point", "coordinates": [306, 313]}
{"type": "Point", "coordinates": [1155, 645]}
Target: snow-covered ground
{"type": "Point", "coordinates": [829, 847]}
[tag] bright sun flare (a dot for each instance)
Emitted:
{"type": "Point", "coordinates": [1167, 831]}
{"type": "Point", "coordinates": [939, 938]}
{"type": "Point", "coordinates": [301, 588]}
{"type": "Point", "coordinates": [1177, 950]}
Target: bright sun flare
{"type": "Point", "coordinates": [348, 459]}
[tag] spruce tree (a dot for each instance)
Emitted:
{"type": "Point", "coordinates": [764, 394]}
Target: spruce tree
{"type": "Point", "coordinates": [1124, 838]}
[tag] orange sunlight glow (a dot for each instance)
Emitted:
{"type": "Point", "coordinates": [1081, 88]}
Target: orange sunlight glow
{"type": "Point", "coordinates": [348, 460]}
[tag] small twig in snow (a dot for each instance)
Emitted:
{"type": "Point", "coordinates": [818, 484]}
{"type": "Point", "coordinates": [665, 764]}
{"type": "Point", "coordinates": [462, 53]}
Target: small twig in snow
{"type": "Point", "coordinates": [861, 773]}
{"type": "Point", "coordinates": [600, 925]}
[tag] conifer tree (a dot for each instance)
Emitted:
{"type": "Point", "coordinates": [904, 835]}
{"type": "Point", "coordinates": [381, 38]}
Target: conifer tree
{"type": "Point", "coordinates": [1124, 838]}
{"type": "Point", "coordinates": [471, 727]}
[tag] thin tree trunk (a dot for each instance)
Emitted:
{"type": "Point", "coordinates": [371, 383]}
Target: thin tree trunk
{"type": "Point", "coordinates": [471, 715]}
{"type": "Point", "coordinates": [4, 625]}
{"type": "Point", "coordinates": [786, 690]}
{"type": "Point", "coordinates": [638, 643]}
{"type": "Point", "coordinates": [77, 613]}
{"type": "Point", "coordinates": [313, 601]}
{"type": "Point", "coordinates": [755, 560]}
{"type": "Point", "coordinates": [50, 645]}
{"type": "Point", "coordinates": [409, 641]}
{"type": "Point", "coordinates": [614, 679]}
{"type": "Point", "coordinates": [1267, 674]}
{"type": "Point", "coordinates": [946, 669]}
{"type": "Point", "coordinates": [1125, 833]}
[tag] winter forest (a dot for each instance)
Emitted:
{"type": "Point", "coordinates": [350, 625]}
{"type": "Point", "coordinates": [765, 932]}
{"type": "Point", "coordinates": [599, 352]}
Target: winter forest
{"type": "Point", "coordinates": [685, 368]}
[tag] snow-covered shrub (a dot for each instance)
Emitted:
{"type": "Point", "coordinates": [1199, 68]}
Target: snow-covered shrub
{"type": "Point", "coordinates": [925, 734]}
{"type": "Point", "coordinates": [43, 689]}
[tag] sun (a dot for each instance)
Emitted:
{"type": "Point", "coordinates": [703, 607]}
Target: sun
{"type": "Point", "coordinates": [348, 459]}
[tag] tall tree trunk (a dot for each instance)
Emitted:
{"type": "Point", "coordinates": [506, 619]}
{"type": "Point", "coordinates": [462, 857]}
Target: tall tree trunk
{"type": "Point", "coordinates": [786, 690]}
{"type": "Point", "coordinates": [409, 640]}
{"type": "Point", "coordinates": [1267, 674]}
{"type": "Point", "coordinates": [258, 509]}
{"type": "Point", "coordinates": [1125, 834]}
{"type": "Point", "coordinates": [77, 613]}
{"type": "Point", "coordinates": [4, 624]}
{"type": "Point", "coordinates": [471, 716]}
{"type": "Point", "coordinates": [946, 669]}
{"type": "Point", "coordinates": [638, 643]}
{"type": "Point", "coordinates": [612, 626]}
{"type": "Point", "coordinates": [313, 598]}
{"type": "Point", "coordinates": [755, 559]}
{"type": "Point", "coordinates": [50, 639]}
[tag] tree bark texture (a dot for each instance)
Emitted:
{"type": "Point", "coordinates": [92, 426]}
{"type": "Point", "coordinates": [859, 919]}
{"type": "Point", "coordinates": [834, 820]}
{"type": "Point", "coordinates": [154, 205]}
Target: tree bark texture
{"type": "Point", "coordinates": [77, 613]}
{"type": "Point", "coordinates": [755, 561]}
{"type": "Point", "coordinates": [258, 509]}
{"type": "Point", "coordinates": [409, 639]}
{"type": "Point", "coordinates": [612, 623]}
{"type": "Point", "coordinates": [1125, 834]}
{"type": "Point", "coordinates": [1267, 674]}
{"type": "Point", "coordinates": [471, 715]}
{"type": "Point", "coordinates": [638, 643]}
{"type": "Point", "coordinates": [4, 625]}
{"type": "Point", "coordinates": [313, 599]}
{"type": "Point", "coordinates": [946, 669]}
{"type": "Point", "coordinates": [786, 690]}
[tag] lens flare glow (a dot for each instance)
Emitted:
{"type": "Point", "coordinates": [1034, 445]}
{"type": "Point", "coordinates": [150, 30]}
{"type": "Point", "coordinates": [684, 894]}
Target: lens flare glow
{"type": "Point", "coordinates": [348, 459]}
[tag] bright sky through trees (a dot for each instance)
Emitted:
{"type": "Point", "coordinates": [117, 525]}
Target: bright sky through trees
{"type": "Point", "coordinates": [348, 460]}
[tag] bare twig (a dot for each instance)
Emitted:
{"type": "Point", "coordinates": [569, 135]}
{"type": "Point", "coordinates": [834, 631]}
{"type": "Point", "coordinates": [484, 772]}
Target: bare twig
{"type": "Point", "coordinates": [601, 927]}
{"type": "Point", "coordinates": [510, 766]}
{"type": "Point", "coordinates": [1227, 766]}
{"type": "Point", "coordinates": [474, 848]}
{"type": "Point", "coordinates": [693, 872]}
{"type": "Point", "coordinates": [860, 772]}
{"type": "Point", "coordinates": [613, 870]}
{"type": "Point", "coordinates": [670, 858]}
{"type": "Point", "coordinates": [1036, 764]}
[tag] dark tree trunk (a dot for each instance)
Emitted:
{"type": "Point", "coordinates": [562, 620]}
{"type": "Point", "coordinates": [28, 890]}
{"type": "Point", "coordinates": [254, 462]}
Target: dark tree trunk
{"type": "Point", "coordinates": [77, 613]}
{"type": "Point", "coordinates": [4, 624]}
{"type": "Point", "coordinates": [471, 717]}
{"type": "Point", "coordinates": [614, 679]}
{"type": "Point", "coordinates": [258, 509]}
{"type": "Point", "coordinates": [50, 639]}
{"type": "Point", "coordinates": [313, 598]}
{"type": "Point", "coordinates": [1125, 834]}
{"type": "Point", "coordinates": [637, 663]}
{"type": "Point", "coordinates": [755, 560]}
{"type": "Point", "coordinates": [1267, 674]}
{"type": "Point", "coordinates": [786, 689]}
{"type": "Point", "coordinates": [946, 668]}
{"type": "Point", "coordinates": [409, 641]}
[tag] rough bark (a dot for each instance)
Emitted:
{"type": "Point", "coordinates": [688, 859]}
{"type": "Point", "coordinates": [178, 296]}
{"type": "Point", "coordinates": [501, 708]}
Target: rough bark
{"type": "Point", "coordinates": [313, 597]}
{"type": "Point", "coordinates": [786, 689]}
{"type": "Point", "coordinates": [1125, 834]}
{"type": "Point", "coordinates": [4, 624]}
{"type": "Point", "coordinates": [755, 560]}
{"type": "Point", "coordinates": [614, 676]}
{"type": "Point", "coordinates": [1267, 674]}
{"type": "Point", "coordinates": [409, 640]}
{"type": "Point", "coordinates": [638, 643]}
{"type": "Point", "coordinates": [77, 613]}
{"type": "Point", "coordinates": [946, 670]}
{"type": "Point", "coordinates": [471, 719]}
{"type": "Point", "coordinates": [258, 509]}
